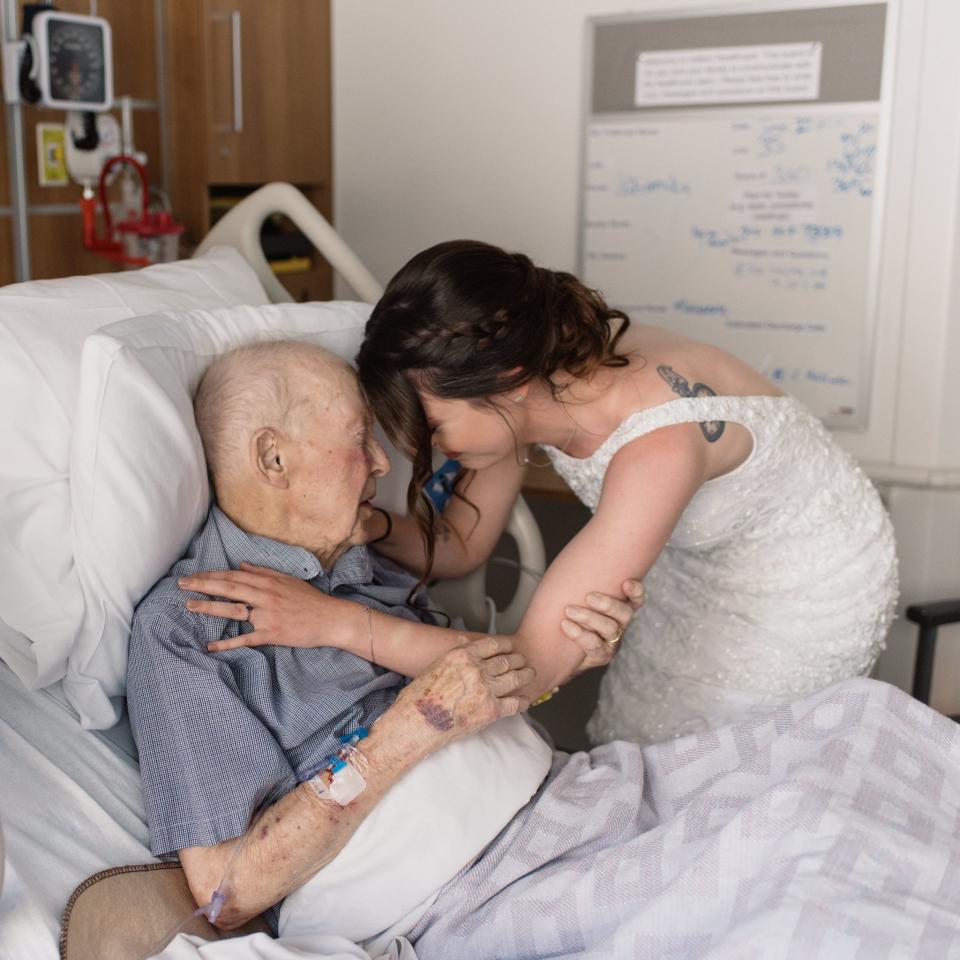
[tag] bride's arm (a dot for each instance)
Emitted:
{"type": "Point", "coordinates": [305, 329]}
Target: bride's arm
{"type": "Point", "coordinates": [647, 486]}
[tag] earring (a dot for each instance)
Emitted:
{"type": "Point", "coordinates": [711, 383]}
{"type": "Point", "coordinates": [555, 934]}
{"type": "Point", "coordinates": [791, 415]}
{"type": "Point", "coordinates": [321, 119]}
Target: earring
{"type": "Point", "coordinates": [518, 398]}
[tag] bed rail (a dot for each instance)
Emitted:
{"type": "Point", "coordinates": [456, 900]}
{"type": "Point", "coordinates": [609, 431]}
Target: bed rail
{"type": "Point", "coordinates": [240, 228]}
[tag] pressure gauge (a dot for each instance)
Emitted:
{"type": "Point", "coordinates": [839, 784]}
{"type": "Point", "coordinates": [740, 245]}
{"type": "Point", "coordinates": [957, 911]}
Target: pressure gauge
{"type": "Point", "coordinates": [75, 61]}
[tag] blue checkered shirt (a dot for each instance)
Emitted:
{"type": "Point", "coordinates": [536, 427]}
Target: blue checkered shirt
{"type": "Point", "coordinates": [220, 734]}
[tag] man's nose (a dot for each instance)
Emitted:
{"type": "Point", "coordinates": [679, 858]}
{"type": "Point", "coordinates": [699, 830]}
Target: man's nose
{"type": "Point", "coordinates": [381, 462]}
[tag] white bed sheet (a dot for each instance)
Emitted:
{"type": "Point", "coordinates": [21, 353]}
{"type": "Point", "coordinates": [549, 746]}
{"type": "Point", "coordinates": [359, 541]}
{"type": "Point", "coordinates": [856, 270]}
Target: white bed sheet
{"type": "Point", "coordinates": [70, 804]}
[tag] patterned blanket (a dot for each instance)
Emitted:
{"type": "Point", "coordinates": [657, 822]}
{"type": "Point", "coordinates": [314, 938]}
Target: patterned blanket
{"type": "Point", "coordinates": [826, 829]}
{"type": "Point", "coordinates": [822, 830]}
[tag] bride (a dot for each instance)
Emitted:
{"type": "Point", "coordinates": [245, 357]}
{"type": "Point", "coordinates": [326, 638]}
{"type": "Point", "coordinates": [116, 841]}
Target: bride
{"type": "Point", "coordinates": [767, 556]}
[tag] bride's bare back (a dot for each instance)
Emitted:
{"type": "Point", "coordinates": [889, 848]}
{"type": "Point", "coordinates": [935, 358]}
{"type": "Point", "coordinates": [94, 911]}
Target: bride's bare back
{"type": "Point", "coordinates": [666, 366]}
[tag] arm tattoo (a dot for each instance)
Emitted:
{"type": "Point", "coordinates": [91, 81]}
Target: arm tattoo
{"type": "Point", "coordinates": [712, 429]}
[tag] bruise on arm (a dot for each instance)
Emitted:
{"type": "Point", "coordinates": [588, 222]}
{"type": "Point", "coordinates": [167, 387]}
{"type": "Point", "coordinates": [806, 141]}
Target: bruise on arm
{"type": "Point", "coordinates": [437, 715]}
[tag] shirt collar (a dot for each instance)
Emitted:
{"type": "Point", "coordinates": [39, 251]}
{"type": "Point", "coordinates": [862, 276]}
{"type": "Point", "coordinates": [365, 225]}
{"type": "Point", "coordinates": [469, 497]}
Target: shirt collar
{"type": "Point", "coordinates": [241, 547]}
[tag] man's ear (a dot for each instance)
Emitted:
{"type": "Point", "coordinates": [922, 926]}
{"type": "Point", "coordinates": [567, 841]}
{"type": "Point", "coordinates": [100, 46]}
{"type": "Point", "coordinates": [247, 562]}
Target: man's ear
{"type": "Point", "coordinates": [268, 460]}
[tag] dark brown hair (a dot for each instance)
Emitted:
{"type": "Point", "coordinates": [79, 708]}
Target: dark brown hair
{"type": "Point", "coordinates": [467, 320]}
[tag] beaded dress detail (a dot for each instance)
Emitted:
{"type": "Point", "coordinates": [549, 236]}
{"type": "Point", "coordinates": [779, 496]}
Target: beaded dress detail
{"type": "Point", "coordinates": [779, 579]}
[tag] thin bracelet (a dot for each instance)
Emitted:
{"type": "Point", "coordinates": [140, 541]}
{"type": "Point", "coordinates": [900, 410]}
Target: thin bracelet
{"type": "Point", "coordinates": [370, 633]}
{"type": "Point", "coordinates": [389, 519]}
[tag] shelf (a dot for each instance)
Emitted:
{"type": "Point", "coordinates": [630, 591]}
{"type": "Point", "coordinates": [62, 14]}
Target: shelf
{"type": "Point", "coordinates": [291, 265]}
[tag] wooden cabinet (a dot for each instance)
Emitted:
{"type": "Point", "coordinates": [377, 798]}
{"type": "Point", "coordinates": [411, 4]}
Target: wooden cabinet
{"type": "Point", "coordinates": [268, 89]}
{"type": "Point", "coordinates": [248, 97]}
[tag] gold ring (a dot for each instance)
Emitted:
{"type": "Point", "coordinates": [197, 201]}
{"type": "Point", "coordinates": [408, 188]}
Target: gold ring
{"type": "Point", "coordinates": [615, 639]}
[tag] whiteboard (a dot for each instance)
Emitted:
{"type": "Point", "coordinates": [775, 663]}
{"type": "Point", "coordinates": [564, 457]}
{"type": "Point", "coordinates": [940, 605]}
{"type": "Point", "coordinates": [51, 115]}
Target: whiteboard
{"type": "Point", "coordinates": [752, 227]}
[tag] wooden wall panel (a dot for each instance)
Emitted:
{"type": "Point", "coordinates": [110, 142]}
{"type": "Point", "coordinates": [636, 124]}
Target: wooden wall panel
{"type": "Point", "coordinates": [56, 249]}
{"type": "Point", "coordinates": [134, 46]}
{"type": "Point", "coordinates": [185, 84]}
{"type": "Point", "coordinates": [285, 69]}
{"type": "Point", "coordinates": [6, 251]}
{"type": "Point", "coordinates": [4, 168]}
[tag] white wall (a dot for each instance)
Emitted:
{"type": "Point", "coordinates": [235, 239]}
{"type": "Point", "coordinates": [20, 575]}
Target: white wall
{"type": "Point", "coordinates": [462, 118]}
{"type": "Point", "coordinates": [458, 119]}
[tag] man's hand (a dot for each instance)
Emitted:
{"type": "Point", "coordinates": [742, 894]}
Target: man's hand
{"type": "Point", "coordinates": [597, 628]}
{"type": "Point", "coordinates": [466, 689]}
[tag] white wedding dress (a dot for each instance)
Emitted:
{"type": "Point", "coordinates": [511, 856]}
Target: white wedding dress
{"type": "Point", "coordinates": [779, 579]}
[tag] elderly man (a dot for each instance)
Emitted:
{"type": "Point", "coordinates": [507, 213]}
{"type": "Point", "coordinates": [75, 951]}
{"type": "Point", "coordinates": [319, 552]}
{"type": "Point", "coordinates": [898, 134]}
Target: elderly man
{"type": "Point", "coordinates": [224, 733]}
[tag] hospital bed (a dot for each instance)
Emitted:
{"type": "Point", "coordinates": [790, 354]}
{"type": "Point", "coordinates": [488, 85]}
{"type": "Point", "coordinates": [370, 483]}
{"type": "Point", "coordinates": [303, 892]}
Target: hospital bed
{"type": "Point", "coordinates": [69, 788]}
{"type": "Point", "coordinates": [96, 370]}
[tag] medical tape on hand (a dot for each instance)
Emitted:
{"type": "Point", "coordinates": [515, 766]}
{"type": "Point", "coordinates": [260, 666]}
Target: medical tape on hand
{"type": "Point", "coordinates": [340, 777]}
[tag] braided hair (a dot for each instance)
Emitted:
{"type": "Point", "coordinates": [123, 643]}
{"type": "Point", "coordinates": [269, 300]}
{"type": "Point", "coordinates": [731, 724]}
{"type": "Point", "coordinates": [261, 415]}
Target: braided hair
{"type": "Point", "coordinates": [467, 320]}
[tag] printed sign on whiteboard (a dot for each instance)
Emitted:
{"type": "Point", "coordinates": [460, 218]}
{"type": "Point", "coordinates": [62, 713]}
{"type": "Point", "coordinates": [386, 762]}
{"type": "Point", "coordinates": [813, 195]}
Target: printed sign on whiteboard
{"type": "Point", "coordinates": [712, 75]}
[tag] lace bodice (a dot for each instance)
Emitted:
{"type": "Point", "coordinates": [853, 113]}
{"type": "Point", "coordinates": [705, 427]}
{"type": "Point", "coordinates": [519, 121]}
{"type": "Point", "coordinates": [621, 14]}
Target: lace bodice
{"type": "Point", "coordinates": [779, 579]}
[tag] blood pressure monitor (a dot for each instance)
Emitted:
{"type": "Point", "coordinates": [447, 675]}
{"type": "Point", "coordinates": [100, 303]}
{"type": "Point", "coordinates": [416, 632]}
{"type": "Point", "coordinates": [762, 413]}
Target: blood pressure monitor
{"type": "Point", "coordinates": [74, 60]}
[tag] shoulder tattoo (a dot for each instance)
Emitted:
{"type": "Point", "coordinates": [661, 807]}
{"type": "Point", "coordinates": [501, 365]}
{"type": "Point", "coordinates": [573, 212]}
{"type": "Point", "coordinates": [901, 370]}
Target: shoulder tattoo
{"type": "Point", "coordinates": [712, 429]}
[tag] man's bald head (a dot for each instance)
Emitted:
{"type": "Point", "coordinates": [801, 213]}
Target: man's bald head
{"type": "Point", "coordinates": [275, 384]}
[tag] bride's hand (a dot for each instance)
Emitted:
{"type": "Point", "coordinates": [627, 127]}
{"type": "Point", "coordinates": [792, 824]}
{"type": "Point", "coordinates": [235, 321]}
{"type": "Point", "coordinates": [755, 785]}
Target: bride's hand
{"type": "Point", "coordinates": [598, 627]}
{"type": "Point", "coordinates": [283, 610]}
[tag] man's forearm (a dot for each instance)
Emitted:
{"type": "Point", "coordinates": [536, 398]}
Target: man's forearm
{"type": "Point", "coordinates": [410, 648]}
{"type": "Point", "coordinates": [405, 646]}
{"type": "Point", "coordinates": [295, 837]}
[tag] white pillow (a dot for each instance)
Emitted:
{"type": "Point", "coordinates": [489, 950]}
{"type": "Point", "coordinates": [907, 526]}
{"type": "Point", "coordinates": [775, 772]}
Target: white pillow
{"type": "Point", "coordinates": [137, 476]}
{"type": "Point", "coordinates": [43, 325]}
{"type": "Point", "coordinates": [430, 824]}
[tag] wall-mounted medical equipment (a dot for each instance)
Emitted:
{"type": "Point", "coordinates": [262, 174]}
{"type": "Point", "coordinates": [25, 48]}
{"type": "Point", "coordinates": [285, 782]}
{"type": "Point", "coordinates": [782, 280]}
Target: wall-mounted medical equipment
{"type": "Point", "coordinates": [144, 236]}
{"type": "Point", "coordinates": [74, 61]}
{"type": "Point", "coordinates": [64, 61]}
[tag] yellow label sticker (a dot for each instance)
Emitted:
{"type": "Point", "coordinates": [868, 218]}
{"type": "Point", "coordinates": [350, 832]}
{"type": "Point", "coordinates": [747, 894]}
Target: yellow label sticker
{"type": "Point", "coordinates": [52, 154]}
